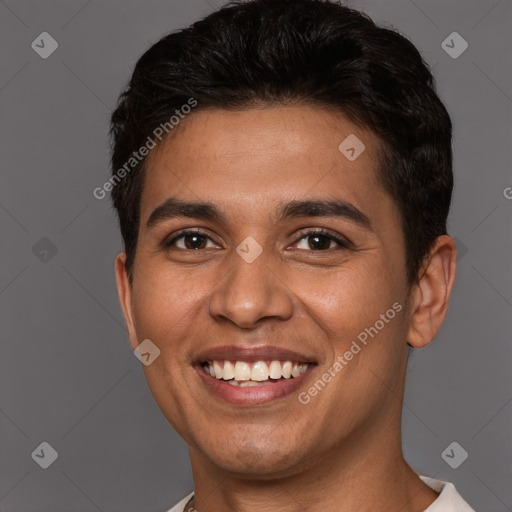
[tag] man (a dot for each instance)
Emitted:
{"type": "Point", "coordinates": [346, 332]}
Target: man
{"type": "Point", "coordinates": [282, 176]}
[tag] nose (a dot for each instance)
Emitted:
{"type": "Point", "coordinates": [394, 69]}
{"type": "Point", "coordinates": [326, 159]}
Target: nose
{"type": "Point", "coordinates": [250, 293]}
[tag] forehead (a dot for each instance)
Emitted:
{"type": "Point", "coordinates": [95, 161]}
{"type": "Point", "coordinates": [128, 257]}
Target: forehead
{"type": "Point", "coordinates": [264, 157]}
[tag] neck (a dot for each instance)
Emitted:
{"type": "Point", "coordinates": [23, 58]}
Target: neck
{"type": "Point", "coordinates": [363, 474]}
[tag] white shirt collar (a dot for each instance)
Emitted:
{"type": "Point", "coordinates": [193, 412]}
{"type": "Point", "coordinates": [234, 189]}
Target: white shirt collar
{"type": "Point", "coordinates": [449, 499]}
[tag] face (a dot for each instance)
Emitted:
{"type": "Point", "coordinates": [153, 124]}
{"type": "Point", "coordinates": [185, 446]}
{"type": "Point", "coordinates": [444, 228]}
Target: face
{"type": "Point", "coordinates": [289, 258]}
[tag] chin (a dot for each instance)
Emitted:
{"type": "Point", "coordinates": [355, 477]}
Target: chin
{"type": "Point", "coordinates": [256, 461]}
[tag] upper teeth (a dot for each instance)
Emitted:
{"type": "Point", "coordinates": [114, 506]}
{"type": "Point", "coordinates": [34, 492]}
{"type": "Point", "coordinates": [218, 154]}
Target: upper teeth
{"type": "Point", "coordinates": [258, 371]}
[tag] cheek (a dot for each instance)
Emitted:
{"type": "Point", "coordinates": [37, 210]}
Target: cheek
{"type": "Point", "coordinates": [348, 300]}
{"type": "Point", "coordinates": [365, 328]}
{"type": "Point", "coordinates": [361, 315]}
{"type": "Point", "coordinates": [170, 309]}
{"type": "Point", "coordinates": [161, 305]}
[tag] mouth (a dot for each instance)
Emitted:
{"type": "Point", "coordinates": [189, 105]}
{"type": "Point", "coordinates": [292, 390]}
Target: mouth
{"type": "Point", "coordinates": [259, 373]}
{"type": "Point", "coordinates": [253, 376]}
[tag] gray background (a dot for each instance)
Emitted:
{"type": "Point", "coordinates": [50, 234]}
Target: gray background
{"type": "Point", "coordinates": [67, 373]}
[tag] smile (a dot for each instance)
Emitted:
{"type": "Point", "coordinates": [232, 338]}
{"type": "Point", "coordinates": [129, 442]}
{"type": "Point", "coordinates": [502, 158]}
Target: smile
{"type": "Point", "coordinates": [243, 390]}
{"type": "Point", "coordinates": [251, 376]}
{"type": "Point", "coordinates": [259, 373]}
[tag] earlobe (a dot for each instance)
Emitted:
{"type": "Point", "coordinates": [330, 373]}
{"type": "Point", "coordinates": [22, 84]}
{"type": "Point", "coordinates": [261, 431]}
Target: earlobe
{"type": "Point", "coordinates": [125, 296]}
{"type": "Point", "coordinates": [431, 295]}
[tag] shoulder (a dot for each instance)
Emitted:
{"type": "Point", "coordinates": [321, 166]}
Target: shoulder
{"type": "Point", "coordinates": [449, 499]}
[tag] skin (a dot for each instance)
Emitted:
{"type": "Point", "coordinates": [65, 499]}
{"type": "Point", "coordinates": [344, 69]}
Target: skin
{"type": "Point", "coordinates": [342, 451]}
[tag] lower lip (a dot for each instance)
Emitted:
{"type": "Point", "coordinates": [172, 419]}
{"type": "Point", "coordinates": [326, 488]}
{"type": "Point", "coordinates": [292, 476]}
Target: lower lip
{"type": "Point", "coordinates": [253, 395]}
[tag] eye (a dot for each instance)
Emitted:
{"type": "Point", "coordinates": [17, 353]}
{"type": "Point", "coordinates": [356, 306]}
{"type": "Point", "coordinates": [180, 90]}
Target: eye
{"type": "Point", "coordinates": [313, 240]}
{"type": "Point", "coordinates": [190, 239]}
{"type": "Point", "coordinates": [321, 240]}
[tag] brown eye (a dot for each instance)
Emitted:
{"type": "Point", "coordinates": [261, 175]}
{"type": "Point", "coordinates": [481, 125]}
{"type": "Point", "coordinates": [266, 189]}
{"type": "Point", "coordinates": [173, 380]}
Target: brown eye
{"type": "Point", "coordinates": [190, 240]}
{"type": "Point", "coordinates": [194, 241]}
{"type": "Point", "coordinates": [320, 241]}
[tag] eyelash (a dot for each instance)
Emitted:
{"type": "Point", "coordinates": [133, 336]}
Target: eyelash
{"type": "Point", "coordinates": [342, 242]}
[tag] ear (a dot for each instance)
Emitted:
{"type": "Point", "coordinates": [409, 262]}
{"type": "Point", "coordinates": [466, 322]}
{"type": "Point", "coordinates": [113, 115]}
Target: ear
{"type": "Point", "coordinates": [125, 297]}
{"type": "Point", "coordinates": [431, 295]}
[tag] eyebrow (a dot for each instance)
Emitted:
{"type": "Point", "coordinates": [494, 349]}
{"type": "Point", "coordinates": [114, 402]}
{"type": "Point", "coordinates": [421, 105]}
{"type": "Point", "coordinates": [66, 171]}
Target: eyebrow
{"type": "Point", "coordinates": [326, 208]}
{"type": "Point", "coordinates": [172, 208]}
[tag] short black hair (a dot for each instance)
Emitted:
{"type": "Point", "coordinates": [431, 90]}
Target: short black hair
{"type": "Point", "coordinates": [257, 53]}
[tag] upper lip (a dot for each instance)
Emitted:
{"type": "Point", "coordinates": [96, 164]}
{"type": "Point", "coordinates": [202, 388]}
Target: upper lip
{"type": "Point", "coordinates": [252, 354]}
